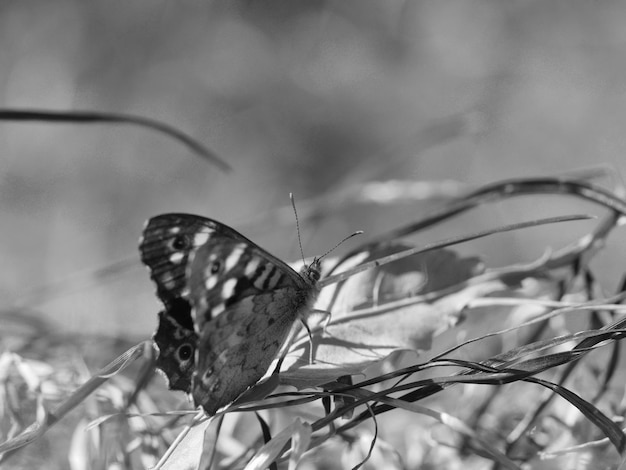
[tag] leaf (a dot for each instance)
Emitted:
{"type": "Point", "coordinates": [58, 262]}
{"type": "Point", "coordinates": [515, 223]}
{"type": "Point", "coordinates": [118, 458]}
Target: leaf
{"type": "Point", "coordinates": [607, 426]}
{"type": "Point", "coordinates": [398, 306]}
{"type": "Point", "coordinates": [427, 272]}
{"type": "Point", "coordinates": [258, 391]}
{"type": "Point", "coordinates": [273, 449]}
{"type": "Point", "coordinates": [301, 440]}
{"type": "Point", "coordinates": [185, 452]}
{"type": "Point", "coordinates": [48, 418]}
{"type": "Point", "coordinates": [453, 423]}
{"type": "Point", "coordinates": [80, 452]}
{"type": "Point", "coordinates": [383, 455]}
{"type": "Point", "coordinates": [209, 446]}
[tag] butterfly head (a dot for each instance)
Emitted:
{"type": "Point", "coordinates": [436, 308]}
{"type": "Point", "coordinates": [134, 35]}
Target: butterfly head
{"type": "Point", "coordinates": [312, 272]}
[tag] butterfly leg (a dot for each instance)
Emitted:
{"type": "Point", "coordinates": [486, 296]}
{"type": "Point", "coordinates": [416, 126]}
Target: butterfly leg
{"type": "Point", "coordinates": [285, 347]}
{"type": "Point", "coordinates": [314, 321]}
{"type": "Point", "coordinates": [308, 332]}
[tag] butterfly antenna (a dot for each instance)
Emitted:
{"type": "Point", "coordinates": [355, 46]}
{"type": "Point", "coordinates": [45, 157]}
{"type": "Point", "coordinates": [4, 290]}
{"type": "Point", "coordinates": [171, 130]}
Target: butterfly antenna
{"type": "Point", "coordinates": [293, 204]}
{"type": "Point", "coordinates": [358, 232]}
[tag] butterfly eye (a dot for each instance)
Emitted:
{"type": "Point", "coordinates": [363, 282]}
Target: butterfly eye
{"type": "Point", "coordinates": [184, 352]}
{"type": "Point", "coordinates": [180, 242]}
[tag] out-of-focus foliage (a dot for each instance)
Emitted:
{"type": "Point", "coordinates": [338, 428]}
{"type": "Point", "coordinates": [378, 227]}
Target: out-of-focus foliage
{"type": "Point", "coordinates": [298, 96]}
{"type": "Point", "coordinates": [316, 98]}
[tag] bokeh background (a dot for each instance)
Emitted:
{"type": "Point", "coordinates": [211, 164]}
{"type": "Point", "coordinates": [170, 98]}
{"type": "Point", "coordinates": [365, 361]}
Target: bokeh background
{"type": "Point", "coordinates": [316, 98]}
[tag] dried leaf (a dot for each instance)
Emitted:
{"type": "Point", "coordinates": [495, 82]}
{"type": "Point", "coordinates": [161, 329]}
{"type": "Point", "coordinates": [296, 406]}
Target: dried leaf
{"type": "Point", "coordinates": [273, 449]}
{"type": "Point", "coordinates": [300, 442]}
{"type": "Point", "coordinates": [408, 277]}
{"type": "Point", "coordinates": [185, 453]}
{"type": "Point", "coordinates": [382, 456]}
{"type": "Point", "coordinates": [384, 310]}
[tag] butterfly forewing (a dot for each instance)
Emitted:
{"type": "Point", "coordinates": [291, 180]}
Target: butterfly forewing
{"type": "Point", "coordinates": [224, 271]}
{"type": "Point", "coordinates": [166, 244]}
{"type": "Point", "coordinates": [245, 306]}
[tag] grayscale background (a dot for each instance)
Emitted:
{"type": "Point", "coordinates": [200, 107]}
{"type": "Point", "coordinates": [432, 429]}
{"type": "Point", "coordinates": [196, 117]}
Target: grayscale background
{"type": "Point", "coordinates": [314, 98]}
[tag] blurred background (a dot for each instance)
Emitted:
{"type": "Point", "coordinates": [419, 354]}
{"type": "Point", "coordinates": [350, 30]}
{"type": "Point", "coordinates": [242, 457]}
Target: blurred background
{"type": "Point", "coordinates": [315, 98]}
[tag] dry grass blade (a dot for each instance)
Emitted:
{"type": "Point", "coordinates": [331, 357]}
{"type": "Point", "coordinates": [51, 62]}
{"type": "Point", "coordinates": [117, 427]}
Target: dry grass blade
{"type": "Point", "coordinates": [96, 117]}
{"type": "Point", "coordinates": [209, 446]}
{"type": "Point", "coordinates": [451, 241]}
{"type": "Point", "coordinates": [498, 289]}
{"type": "Point", "coordinates": [187, 448]}
{"type": "Point", "coordinates": [48, 419]}
{"type": "Point", "coordinates": [610, 429]}
{"type": "Point", "coordinates": [301, 440]}
{"type": "Point", "coordinates": [444, 418]}
{"type": "Point", "coordinates": [505, 368]}
{"type": "Point", "coordinates": [497, 191]}
{"type": "Point", "coordinates": [266, 456]}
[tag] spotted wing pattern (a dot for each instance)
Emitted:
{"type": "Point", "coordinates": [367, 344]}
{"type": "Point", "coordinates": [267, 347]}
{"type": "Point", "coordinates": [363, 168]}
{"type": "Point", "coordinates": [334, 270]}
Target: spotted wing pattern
{"type": "Point", "coordinates": [177, 347]}
{"type": "Point", "coordinates": [246, 302]}
{"type": "Point", "coordinates": [229, 305]}
{"type": "Point", "coordinates": [165, 246]}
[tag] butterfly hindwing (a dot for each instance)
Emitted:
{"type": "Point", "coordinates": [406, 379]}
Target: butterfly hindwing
{"type": "Point", "coordinates": [237, 347]}
{"type": "Point", "coordinates": [177, 348]}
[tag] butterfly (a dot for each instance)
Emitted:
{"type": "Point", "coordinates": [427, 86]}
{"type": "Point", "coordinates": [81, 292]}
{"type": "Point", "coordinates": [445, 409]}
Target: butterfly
{"type": "Point", "coordinates": [229, 305]}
